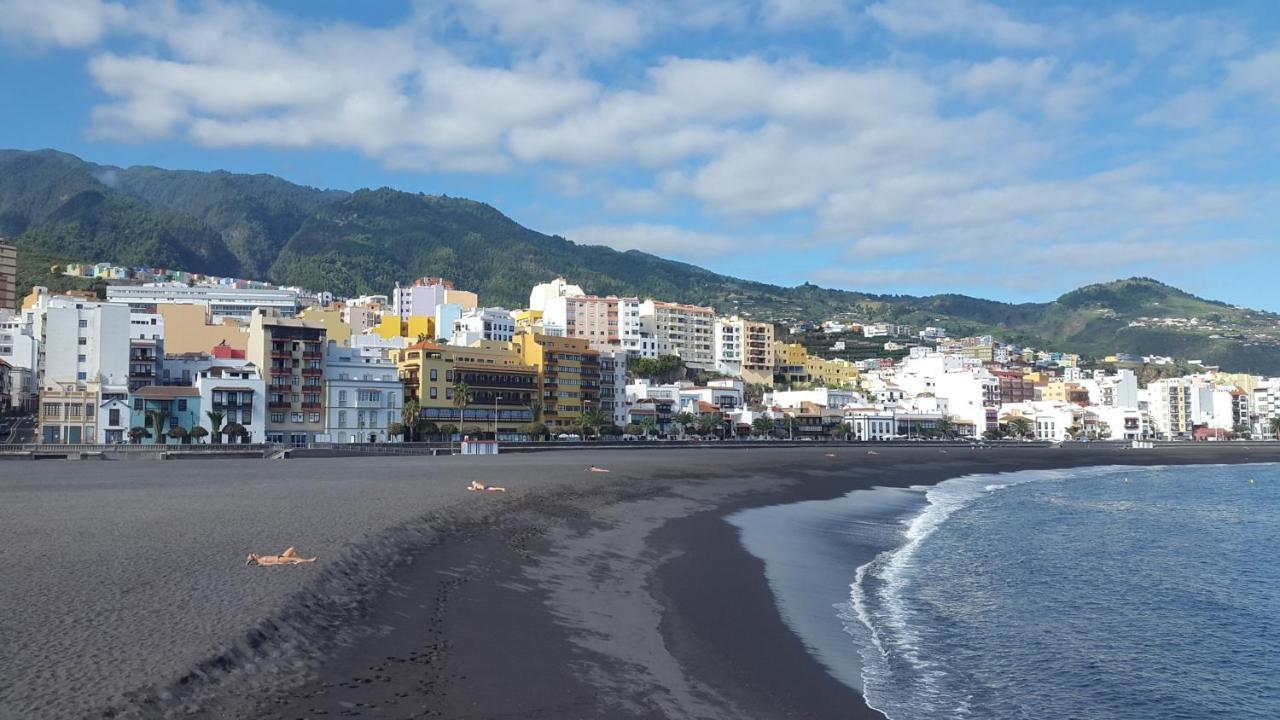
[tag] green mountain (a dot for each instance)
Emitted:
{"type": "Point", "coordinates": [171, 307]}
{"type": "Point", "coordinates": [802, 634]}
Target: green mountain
{"type": "Point", "coordinates": [58, 208]}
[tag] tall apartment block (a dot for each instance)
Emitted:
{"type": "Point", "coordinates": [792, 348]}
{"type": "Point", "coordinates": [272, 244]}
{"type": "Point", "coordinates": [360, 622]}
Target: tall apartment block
{"type": "Point", "coordinates": [290, 353]}
{"type": "Point", "coordinates": [8, 276]}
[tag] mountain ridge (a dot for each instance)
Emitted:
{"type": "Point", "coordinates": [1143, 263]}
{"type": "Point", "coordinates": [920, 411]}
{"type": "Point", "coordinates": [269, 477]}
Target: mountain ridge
{"type": "Point", "coordinates": [56, 205]}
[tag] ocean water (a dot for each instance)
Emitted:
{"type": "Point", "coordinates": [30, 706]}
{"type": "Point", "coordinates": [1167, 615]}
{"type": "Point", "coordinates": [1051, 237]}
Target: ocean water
{"type": "Point", "coordinates": [1097, 593]}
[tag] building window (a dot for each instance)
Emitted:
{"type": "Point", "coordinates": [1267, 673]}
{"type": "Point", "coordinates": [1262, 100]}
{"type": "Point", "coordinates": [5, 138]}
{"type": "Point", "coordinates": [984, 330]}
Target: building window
{"type": "Point", "coordinates": [342, 418]}
{"type": "Point", "coordinates": [88, 410]}
{"type": "Point", "coordinates": [52, 410]}
{"type": "Point", "coordinates": [313, 417]}
{"type": "Point", "coordinates": [295, 417]}
{"type": "Point", "coordinates": [277, 417]}
{"type": "Point", "coordinates": [434, 373]}
{"type": "Point", "coordinates": [342, 398]}
{"type": "Point", "coordinates": [182, 405]}
{"type": "Point", "coordinates": [434, 393]}
{"type": "Point", "coordinates": [82, 341]}
{"type": "Point", "coordinates": [137, 405]}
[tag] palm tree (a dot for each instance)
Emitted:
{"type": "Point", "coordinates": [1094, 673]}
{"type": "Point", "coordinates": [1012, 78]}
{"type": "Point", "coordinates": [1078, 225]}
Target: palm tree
{"type": "Point", "coordinates": [1073, 432]}
{"type": "Point", "coordinates": [684, 420]}
{"type": "Point", "coordinates": [945, 427]}
{"type": "Point", "coordinates": [158, 419]}
{"type": "Point", "coordinates": [592, 419]}
{"type": "Point", "coordinates": [1274, 427]}
{"type": "Point", "coordinates": [136, 433]}
{"type": "Point", "coordinates": [197, 433]}
{"type": "Point", "coordinates": [650, 426]}
{"type": "Point", "coordinates": [1021, 427]}
{"type": "Point", "coordinates": [235, 430]}
{"type": "Point", "coordinates": [708, 422]}
{"type": "Point", "coordinates": [762, 425]}
{"type": "Point", "coordinates": [535, 409]}
{"type": "Point", "coordinates": [461, 396]}
{"type": "Point", "coordinates": [215, 422]}
{"type": "Point", "coordinates": [409, 418]}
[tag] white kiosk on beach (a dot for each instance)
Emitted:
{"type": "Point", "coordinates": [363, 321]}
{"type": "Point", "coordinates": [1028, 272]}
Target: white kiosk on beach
{"type": "Point", "coordinates": [479, 447]}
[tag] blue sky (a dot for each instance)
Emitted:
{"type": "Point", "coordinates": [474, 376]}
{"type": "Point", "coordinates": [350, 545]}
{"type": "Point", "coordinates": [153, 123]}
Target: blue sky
{"type": "Point", "coordinates": [1012, 150]}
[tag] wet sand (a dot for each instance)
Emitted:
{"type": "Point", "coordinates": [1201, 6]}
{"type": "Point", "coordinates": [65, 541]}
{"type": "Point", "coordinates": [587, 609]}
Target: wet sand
{"type": "Point", "coordinates": [575, 594]}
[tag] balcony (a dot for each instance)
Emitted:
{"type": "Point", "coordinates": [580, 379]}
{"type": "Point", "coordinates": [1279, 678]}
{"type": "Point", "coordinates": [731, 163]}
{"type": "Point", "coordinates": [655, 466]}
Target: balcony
{"type": "Point", "coordinates": [312, 372]}
{"type": "Point", "coordinates": [279, 405]}
{"type": "Point", "coordinates": [312, 355]}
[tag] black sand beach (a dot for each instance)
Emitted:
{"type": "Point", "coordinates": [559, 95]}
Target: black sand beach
{"type": "Point", "coordinates": [575, 594]}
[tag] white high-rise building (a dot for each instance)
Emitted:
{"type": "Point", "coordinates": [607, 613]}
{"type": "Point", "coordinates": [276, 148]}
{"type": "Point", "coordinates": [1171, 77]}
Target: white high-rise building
{"type": "Point", "coordinates": [19, 347]}
{"type": "Point", "coordinates": [222, 302]}
{"type": "Point", "coordinates": [1264, 406]}
{"type": "Point", "coordinates": [364, 396]}
{"type": "Point", "coordinates": [689, 330]}
{"type": "Point", "coordinates": [498, 324]}
{"type": "Point", "coordinates": [608, 323]}
{"type": "Point", "coordinates": [83, 360]}
{"type": "Point", "coordinates": [1170, 403]}
{"type": "Point", "coordinates": [544, 292]}
{"type": "Point", "coordinates": [744, 348]}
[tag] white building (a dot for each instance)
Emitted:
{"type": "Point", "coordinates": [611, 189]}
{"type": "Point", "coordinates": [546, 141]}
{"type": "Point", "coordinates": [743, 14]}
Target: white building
{"type": "Point", "coordinates": [613, 386]}
{"type": "Point", "coordinates": [608, 323]}
{"type": "Point", "coordinates": [689, 330]}
{"type": "Point", "coordinates": [447, 316]}
{"type": "Point", "coordinates": [1119, 390]}
{"type": "Point", "coordinates": [970, 390]}
{"type": "Point", "coordinates": [543, 293]}
{"type": "Point", "coordinates": [1264, 406]}
{"type": "Point", "coordinates": [1169, 402]}
{"type": "Point", "coordinates": [113, 421]}
{"type": "Point", "coordinates": [82, 360]}
{"type": "Point", "coordinates": [823, 397]}
{"type": "Point", "coordinates": [496, 324]}
{"type": "Point", "coordinates": [239, 393]}
{"type": "Point", "coordinates": [363, 396]}
{"type": "Point", "coordinates": [420, 298]}
{"type": "Point", "coordinates": [19, 348]}
{"type": "Point", "coordinates": [221, 301]}
{"type": "Point", "coordinates": [869, 424]}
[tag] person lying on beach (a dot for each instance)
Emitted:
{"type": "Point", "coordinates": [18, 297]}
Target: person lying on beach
{"type": "Point", "coordinates": [288, 557]}
{"type": "Point", "coordinates": [597, 468]}
{"type": "Point", "coordinates": [478, 487]}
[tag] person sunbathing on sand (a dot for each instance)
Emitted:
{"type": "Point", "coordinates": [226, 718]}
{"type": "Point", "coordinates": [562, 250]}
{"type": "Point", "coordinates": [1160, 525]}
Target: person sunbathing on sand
{"type": "Point", "coordinates": [288, 557]}
{"type": "Point", "coordinates": [478, 487]}
{"type": "Point", "coordinates": [597, 468]}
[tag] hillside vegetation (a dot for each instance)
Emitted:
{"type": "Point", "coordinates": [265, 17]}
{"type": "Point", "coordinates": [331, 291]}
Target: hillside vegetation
{"type": "Point", "coordinates": [57, 206]}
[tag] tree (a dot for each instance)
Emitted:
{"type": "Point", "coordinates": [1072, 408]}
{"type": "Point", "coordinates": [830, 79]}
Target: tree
{"type": "Point", "coordinates": [762, 425]}
{"type": "Point", "coordinates": [592, 419]}
{"type": "Point", "coordinates": [945, 427]}
{"type": "Point", "coordinates": [753, 394]}
{"type": "Point", "coordinates": [461, 397]}
{"type": "Point", "coordinates": [215, 422]}
{"type": "Point", "coordinates": [993, 433]}
{"type": "Point", "coordinates": [632, 429]}
{"type": "Point", "coordinates": [424, 428]}
{"type": "Point", "coordinates": [708, 423]}
{"type": "Point", "coordinates": [158, 419]}
{"type": "Point", "coordinates": [535, 430]}
{"type": "Point", "coordinates": [1274, 427]}
{"type": "Point", "coordinates": [177, 432]}
{"type": "Point", "coordinates": [409, 418]}
{"type": "Point", "coordinates": [198, 433]}
{"type": "Point", "coordinates": [1074, 432]}
{"type": "Point", "coordinates": [1103, 432]}
{"type": "Point", "coordinates": [448, 430]}
{"type": "Point", "coordinates": [235, 431]}
{"type": "Point", "coordinates": [1020, 427]}
{"type": "Point", "coordinates": [396, 429]}
{"type": "Point", "coordinates": [665, 369]}
{"type": "Point", "coordinates": [535, 410]}
{"type": "Point", "coordinates": [611, 429]}
{"type": "Point", "coordinates": [683, 421]}
{"type": "Point", "coordinates": [839, 431]}
{"type": "Point", "coordinates": [423, 337]}
{"type": "Point", "coordinates": [136, 433]}
{"type": "Point", "coordinates": [650, 426]}
{"type": "Point", "coordinates": [1241, 430]}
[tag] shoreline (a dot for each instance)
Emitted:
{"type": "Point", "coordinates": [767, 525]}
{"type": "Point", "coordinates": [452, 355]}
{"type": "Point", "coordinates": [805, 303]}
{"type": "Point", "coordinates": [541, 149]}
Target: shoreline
{"type": "Point", "coordinates": [574, 596]}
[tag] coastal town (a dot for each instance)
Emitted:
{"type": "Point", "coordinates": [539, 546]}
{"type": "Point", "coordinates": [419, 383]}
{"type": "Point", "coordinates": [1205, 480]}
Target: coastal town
{"type": "Point", "coordinates": [171, 357]}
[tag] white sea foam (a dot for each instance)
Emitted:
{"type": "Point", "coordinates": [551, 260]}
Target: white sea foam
{"type": "Point", "coordinates": [888, 637]}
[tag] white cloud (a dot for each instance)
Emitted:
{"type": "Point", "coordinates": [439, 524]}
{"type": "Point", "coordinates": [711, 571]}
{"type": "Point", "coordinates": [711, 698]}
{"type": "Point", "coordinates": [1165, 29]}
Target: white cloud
{"type": "Point", "coordinates": [657, 239]}
{"type": "Point", "coordinates": [1258, 75]}
{"type": "Point", "coordinates": [958, 20]}
{"type": "Point", "coordinates": [59, 23]}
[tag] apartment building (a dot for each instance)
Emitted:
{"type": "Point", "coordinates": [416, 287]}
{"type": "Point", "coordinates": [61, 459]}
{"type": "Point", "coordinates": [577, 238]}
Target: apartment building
{"type": "Point", "coordinates": [613, 386]}
{"type": "Point", "coordinates": [291, 353]}
{"type": "Point", "coordinates": [240, 394]}
{"type": "Point", "coordinates": [179, 406]}
{"type": "Point", "coordinates": [8, 276]}
{"type": "Point", "coordinates": [425, 294]}
{"type": "Point", "coordinates": [364, 395]}
{"type": "Point", "coordinates": [1264, 405]}
{"type": "Point", "coordinates": [744, 348]}
{"type": "Point", "coordinates": [501, 386]}
{"type": "Point", "coordinates": [569, 376]}
{"type": "Point", "coordinates": [82, 361]}
{"type": "Point", "coordinates": [1169, 401]}
{"type": "Point", "coordinates": [607, 323]}
{"type": "Point", "coordinates": [492, 324]}
{"type": "Point", "coordinates": [19, 350]}
{"type": "Point", "coordinates": [689, 330]}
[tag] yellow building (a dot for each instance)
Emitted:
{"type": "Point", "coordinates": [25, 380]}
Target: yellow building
{"type": "Point", "coordinates": [467, 299]}
{"type": "Point", "coordinates": [569, 374]}
{"type": "Point", "coordinates": [331, 318]}
{"type": "Point", "coordinates": [836, 372]}
{"type": "Point", "coordinates": [1244, 381]}
{"type": "Point", "coordinates": [527, 320]}
{"type": "Point", "coordinates": [187, 330]}
{"type": "Point", "coordinates": [414, 327]}
{"type": "Point", "coordinates": [1036, 378]}
{"type": "Point", "coordinates": [498, 382]}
